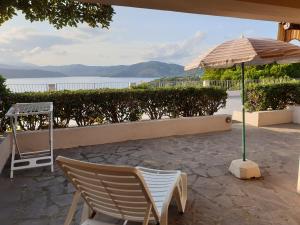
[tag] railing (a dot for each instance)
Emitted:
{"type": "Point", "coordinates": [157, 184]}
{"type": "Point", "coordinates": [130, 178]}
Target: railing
{"type": "Point", "coordinates": [236, 84]}
{"type": "Point", "coordinates": [225, 84]}
{"type": "Point", "coordinates": [91, 86]}
{"type": "Point", "coordinates": [230, 84]}
{"type": "Point", "coordinates": [18, 88]}
{"type": "Point", "coordinates": [176, 83]}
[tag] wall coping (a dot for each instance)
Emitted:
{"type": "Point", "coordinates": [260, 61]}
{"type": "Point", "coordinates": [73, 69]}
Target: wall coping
{"type": "Point", "coordinates": [135, 123]}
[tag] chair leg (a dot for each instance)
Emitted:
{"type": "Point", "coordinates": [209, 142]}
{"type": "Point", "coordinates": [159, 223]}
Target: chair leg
{"type": "Point", "coordinates": [164, 218]}
{"type": "Point", "coordinates": [52, 168]}
{"type": "Point", "coordinates": [147, 215]}
{"type": "Point", "coordinates": [72, 210]}
{"type": "Point", "coordinates": [86, 213]}
{"type": "Point", "coordinates": [298, 186]}
{"type": "Point", "coordinates": [180, 193]}
{"type": "Point", "coordinates": [13, 153]}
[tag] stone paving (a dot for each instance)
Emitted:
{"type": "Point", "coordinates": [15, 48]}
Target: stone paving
{"type": "Point", "coordinates": [37, 197]}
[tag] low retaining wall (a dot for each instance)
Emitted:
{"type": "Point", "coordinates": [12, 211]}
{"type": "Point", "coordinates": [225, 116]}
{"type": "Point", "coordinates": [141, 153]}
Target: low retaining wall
{"type": "Point", "coordinates": [110, 133]}
{"type": "Point", "coordinates": [265, 118]}
{"type": "Point", "coordinates": [5, 143]}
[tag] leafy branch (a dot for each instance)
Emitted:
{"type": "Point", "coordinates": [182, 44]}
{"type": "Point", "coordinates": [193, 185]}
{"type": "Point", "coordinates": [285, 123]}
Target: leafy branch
{"type": "Point", "coordinates": [59, 13]}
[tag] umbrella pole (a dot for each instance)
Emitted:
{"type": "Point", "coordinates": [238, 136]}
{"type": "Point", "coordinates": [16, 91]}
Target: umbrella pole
{"type": "Point", "coordinates": [242, 168]}
{"type": "Point", "coordinates": [243, 105]}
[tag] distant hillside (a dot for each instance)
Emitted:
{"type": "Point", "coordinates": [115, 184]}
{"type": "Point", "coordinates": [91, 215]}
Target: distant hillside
{"type": "Point", "coordinates": [144, 69]}
{"type": "Point", "coordinates": [32, 73]}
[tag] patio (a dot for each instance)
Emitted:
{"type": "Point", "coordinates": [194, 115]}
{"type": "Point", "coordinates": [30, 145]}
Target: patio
{"type": "Point", "coordinates": [37, 197]}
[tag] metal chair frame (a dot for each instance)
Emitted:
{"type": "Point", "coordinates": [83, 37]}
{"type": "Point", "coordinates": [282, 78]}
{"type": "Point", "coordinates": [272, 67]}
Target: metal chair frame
{"type": "Point", "coordinates": [31, 159]}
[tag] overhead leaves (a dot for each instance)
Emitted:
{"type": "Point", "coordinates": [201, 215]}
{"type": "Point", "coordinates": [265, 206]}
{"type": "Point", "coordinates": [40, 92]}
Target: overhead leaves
{"type": "Point", "coordinates": [254, 72]}
{"type": "Point", "coordinates": [59, 13]}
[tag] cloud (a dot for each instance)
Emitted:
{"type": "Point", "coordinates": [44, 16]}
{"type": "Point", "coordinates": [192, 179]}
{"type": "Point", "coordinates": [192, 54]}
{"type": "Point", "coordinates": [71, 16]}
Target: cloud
{"type": "Point", "coordinates": [177, 52]}
{"type": "Point", "coordinates": [27, 52]}
{"type": "Point", "coordinates": [84, 45]}
{"type": "Point", "coordinates": [24, 38]}
{"type": "Point", "coordinates": [90, 52]}
{"type": "Point", "coordinates": [34, 50]}
{"type": "Point", "coordinates": [8, 36]}
{"type": "Point", "coordinates": [19, 43]}
{"type": "Point", "coordinates": [96, 47]}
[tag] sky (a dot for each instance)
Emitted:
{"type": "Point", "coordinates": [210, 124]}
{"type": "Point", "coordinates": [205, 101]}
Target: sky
{"type": "Point", "coordinates": [134, 36]}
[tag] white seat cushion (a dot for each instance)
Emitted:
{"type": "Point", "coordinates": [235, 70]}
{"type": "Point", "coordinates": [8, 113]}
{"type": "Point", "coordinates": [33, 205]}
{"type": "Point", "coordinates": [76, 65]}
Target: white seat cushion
{"type": "Point", "coordinates": [160, 183]}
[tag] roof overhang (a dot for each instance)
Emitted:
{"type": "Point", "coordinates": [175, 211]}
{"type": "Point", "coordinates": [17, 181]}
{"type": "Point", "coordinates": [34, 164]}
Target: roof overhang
{"type": "Point", "coordinates": [272, 10]}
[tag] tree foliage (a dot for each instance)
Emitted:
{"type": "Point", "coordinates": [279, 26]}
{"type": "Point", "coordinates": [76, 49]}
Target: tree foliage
{"type": "Point", "coordinates": [254, 72]}
{"type": "Point", "coordinates": [59, 13]}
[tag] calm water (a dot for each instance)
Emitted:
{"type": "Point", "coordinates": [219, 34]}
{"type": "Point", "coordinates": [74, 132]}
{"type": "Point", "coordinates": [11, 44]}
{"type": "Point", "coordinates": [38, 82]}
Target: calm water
{"type": "Point", "coordinates": [53, 80]}
{"type": "Point", "coordinates": [71, 83]}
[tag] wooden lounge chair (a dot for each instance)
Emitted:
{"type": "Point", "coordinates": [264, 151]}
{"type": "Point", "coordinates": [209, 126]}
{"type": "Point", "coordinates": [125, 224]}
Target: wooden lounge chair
{"type": "Point", "coordinates": [128, 193]}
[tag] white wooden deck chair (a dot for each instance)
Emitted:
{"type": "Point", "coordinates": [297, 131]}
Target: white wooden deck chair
{"type": "Point", "coordinates": [128, 193]}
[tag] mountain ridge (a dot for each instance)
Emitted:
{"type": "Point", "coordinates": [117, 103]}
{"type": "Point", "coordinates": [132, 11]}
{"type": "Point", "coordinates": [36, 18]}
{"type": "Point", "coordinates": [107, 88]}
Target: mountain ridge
{"type": "Point", "coordinates": [144, 69]}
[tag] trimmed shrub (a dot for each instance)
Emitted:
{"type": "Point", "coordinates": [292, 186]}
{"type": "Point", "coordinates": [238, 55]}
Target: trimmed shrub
{"type": "Point", "coordinates": [4, 92]}
{"type": "Point", "coordinates": [154, 103]}
{"type": "Point", "coordinates": [185, 102]}
{"type": "Point", "coordinates": [272, 96]}
{"type": "Point", "coordinates": [197, 102]}
{"type": "Point", "coordinates": [89, 107]}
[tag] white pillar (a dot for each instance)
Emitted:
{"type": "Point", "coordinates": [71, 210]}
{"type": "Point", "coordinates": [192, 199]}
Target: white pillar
{"type": "Point", "coordinates": [206, 83]}
{"type": "Point", "coordinates": [51, 87]}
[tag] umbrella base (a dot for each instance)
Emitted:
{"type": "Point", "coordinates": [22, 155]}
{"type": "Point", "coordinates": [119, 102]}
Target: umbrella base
{"type": "Point", "coordinates": [244, 169]}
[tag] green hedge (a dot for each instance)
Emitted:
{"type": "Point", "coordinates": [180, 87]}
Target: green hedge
{"type": "Point", "coordinates": [91, 107]}
{"type": "Point", "coordinates": [4, 93]}
{"type": "Point", "coordinates": [272, 96]}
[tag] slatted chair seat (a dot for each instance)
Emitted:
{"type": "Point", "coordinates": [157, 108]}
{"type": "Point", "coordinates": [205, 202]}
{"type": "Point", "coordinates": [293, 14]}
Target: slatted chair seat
{"type": "Point", "coordinates": [160, 184]}
{"type": "Point", "coordinates": [128, 193]}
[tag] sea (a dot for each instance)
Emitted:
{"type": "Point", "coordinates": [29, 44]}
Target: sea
{"type": "Point", "coordinates": [72, 83]}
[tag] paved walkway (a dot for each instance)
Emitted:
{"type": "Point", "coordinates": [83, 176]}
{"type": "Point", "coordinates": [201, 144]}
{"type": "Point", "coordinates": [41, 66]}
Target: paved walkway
{"type": "Point", "coordinates": [233, 103]}
{"type": "Point", "coordinates": [37, 197]}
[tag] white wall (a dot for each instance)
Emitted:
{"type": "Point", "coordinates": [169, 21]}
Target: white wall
{"type": "Point", "coordinates": [265, 118]}
{"type": "Point", "coordinates": [296, 114]}
{"type": "Point", "coordinates": [5, 150]}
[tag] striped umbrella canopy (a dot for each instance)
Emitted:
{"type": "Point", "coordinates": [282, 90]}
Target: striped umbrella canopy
{"type": "Point", "coordinates": [247, 51]}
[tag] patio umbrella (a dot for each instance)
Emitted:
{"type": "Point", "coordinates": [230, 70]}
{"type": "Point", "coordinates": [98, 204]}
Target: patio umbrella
{"type": "Point", "coordinates": [247, 51]}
